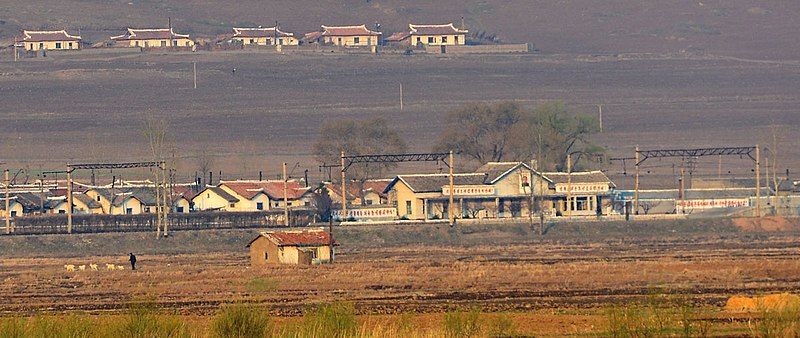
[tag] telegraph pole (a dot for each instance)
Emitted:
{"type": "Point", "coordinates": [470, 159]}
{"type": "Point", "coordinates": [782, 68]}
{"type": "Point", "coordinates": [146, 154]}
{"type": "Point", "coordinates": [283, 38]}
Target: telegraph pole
{"type": "Point", "coordinates": [758, 181]}
{"type": "Point", "coordinates": [344, 194]}
{"type": "Point", "coordinates": [401, 96]}
{"type": "Point", "coordinates": [636, 184]}
{"type": "Point", "coordinates": [8, 202]}
{"type": "Point", "coordinates": [569, 185]}
{"type": "Point", "coordinates": [285, 197]}
{"type": "Point", "coordinates": [194, 66]}
{"type": "Point", "coordinates": [15, 49]}
{"type": "Point", "coordinates": [451, 215]}
{"type": "Point", "coordinates": [600, 109]}
{"type": "Point", "coordinates": [69, 199]}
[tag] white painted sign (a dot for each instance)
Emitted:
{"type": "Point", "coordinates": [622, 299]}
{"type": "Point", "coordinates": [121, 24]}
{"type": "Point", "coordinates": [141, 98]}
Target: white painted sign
{"type": "Point", "coordinates": [713, 203]}
{"type": "Point", "coordinates": [469, 190]}
{"type": "Point", "coordinates": [367, 213]}
{"type": "Point", "coordinates": [582, 187]}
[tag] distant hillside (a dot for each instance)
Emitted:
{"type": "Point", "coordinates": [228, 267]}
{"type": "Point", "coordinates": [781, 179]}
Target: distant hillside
{"type": "Point", "coordinates": [744, 28]}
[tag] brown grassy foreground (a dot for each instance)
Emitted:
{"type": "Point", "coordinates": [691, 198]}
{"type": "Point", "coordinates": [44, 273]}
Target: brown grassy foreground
{"type": "Point", "coordinates": [578, 279]}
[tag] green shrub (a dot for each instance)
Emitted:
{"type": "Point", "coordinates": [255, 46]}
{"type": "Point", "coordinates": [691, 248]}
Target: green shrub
{"type": "Point", "coordinates": [777, 322]}
{"type": "Point", "coordinates": [241, 322]}
{"type": "Point", "coordinates": [12, 328]}
{"type": "Point", "coordinates": [143, 321]}
{"type": "Point", "coordinates": [330, 320]}
{"type": "Point", "coordinates": [461, 324]}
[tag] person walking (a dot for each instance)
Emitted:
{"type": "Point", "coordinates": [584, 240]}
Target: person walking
{"type": "Point", "coordinates": [133, 261]}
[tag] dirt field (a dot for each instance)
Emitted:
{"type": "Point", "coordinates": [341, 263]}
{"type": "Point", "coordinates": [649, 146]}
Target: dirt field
{"type": "Point", "coordinates": [91, 107]}
{"type": "Point", "coordinates": [565, 279]}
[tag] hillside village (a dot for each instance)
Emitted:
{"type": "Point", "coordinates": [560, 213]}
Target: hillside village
{"type": "Point", "coordinates": [436, 38]}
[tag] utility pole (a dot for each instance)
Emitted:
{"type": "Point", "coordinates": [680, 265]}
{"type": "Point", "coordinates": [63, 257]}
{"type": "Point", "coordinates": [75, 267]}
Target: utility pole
{"type": "Point", "coordinates": [569, 185]}
{"type": "Point", "coordinates": [344, 194]}
{"type": "Point", "coordinates": [15, 49]}
{"type": "Point", "coordinates": [8, 202]}
{"type": "Point", "coordinates": [682, 189]}
{"type": "Point", "coordinates": [636, 184]}
{"type": "Point", "coordinates": [401, 96]}
{"type": "Point", "coordinates": [285, 197]}
{"type": "Point", "coordinates": [69, 199]}
{"type": "Point", "coordinates": [194, 66]}
{"type": "Point", "coordinates": [541, 189]}
{"type": "Point", "coordinates": [600, 109]}
{"type": "Point", "coordinates": [719, 168]}
{"type": "Point", "coordinates": [758, 181]}
{"type": "Point", "coordinates": [450, 213]}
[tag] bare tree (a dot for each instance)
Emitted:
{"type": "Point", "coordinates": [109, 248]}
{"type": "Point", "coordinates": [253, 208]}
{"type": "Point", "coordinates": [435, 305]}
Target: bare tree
{"type": "Point", "coordinates": [155, 131]}
{"type": "Point", "coordinates": [204, 160]}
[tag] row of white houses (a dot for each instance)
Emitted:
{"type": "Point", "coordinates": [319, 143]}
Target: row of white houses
{"type": "Point", "coordinates": [357, 35]}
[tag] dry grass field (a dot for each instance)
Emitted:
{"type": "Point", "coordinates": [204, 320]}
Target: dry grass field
{"type": "Point", "coordinates": [91, 107]}
{"type": "Point", "coordinates": [561, 284]}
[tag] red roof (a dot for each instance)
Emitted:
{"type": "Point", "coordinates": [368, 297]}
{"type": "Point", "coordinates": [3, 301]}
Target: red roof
{"type": "Point", "coordinates": [348, 31]}
{"type": "Point", "coordinates": [297, 238]}
{"type": "Point", "coordinates": [259, 32]}
{"type": "Point", "coordinates": [446, 29]}
{"type": "Point", "coordinates": [150, 34]}
{"type": "Point", "coordinates": [37, 36]}
{"type": "Point", "coordinates": [273, 189]}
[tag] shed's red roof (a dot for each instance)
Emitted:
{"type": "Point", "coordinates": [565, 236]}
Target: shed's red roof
{"type": "Point", "coordinates": [297, 238]}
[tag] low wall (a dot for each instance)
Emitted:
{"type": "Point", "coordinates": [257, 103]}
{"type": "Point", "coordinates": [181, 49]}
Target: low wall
{"type": "Point", "coordinates": [480, 49]}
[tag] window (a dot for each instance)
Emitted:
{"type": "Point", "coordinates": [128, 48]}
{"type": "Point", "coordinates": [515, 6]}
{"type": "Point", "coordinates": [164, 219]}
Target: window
{"type": "Point", "coordinates": [136, 43]}
{"type": "Point", "coordinates": [280, 41]}
{"type": "Point", "coordinates": [175, 43]}
{"type": "Point", "coordinates": [188, 43]}
{"type": "Point", "coordinates": [339, 40]}
{"type": "Point", "coordinates": [456, 39]}
{"type": "Point", "coordinates": [430, 39]}
{"type": "Point", "coordinates": [58, 45]}
{"type": "Point", "coordinates": [179, 209]}
{"type": "Point", "coordinates": [444, 39]}
{"type": "Point", "coordinates": [62, 211]}
{"type": "Point", "coordinates": [233, 205]}
{"type": "Point", "coordinates": [129, 211]}
{"type": "Point", "coordinates": [251, 41]}
{"type": "Point", "coordinates": [14, 213]}
{"type": "Point", "coordinates": [408, 208]}
{"type": "Point", "coordinates": [369, 202]}
{"type": "Point", "coordinates": [146, 44]}
{"type": "Point", "coordinates": [266, 256]}
{"type": "Point", "coordinates": [260, 206]}
{"type": "Point", "coordinates": [163, 43]}
{"type": "Point", "coordinates": [98, 198]}
{"type": "Point", "coordinates": [419, 40]}
{"type": "Point", "coordinates": [70, 45]}
{"type": "Point", "coordinates": [356, 40]}
{"type": "Point", "coordinates": [41, 45]}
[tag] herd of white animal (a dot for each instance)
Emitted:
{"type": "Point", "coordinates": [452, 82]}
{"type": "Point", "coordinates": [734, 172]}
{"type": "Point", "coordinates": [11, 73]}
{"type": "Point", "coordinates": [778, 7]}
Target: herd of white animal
{"type": "Point", "coordinates": [92, 267]}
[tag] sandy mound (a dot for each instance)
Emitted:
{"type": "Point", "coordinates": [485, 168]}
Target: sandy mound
{"type": "Point", "coordinates": [769, 224]}
{"type": "Point", "coordinates": [768, 302]}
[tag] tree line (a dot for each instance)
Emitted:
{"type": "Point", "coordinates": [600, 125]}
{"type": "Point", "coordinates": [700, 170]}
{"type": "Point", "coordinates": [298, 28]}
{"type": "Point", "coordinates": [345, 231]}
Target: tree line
{"type": "Point", "coordinates": [482, 132]}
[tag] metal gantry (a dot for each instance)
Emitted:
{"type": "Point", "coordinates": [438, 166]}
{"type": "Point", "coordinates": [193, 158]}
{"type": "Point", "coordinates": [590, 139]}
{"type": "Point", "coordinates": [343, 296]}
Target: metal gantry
{"type": "Point", "coordinates": [161, 165]}
{"type": "Point", "coordinates": [753, 152]}
{"type": "Point", "coordinates": [446, 158]}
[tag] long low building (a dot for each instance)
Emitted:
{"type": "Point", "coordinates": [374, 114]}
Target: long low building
{"type": "Point", "coordinates": [501, 190]}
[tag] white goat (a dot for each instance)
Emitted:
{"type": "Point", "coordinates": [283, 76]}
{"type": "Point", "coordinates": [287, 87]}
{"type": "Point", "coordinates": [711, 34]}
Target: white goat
{"type": "Point", "coordinates": [111, 266]}
{"type": "Point", "coordinates": [120, 267]}
{"type": "Point", "coordinates": [69, 267]}
{"type": "Point", "coordinates": [93, 267]}
{"type": "Point", "coordinates": [82, 267]}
